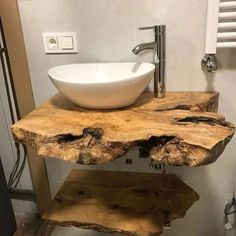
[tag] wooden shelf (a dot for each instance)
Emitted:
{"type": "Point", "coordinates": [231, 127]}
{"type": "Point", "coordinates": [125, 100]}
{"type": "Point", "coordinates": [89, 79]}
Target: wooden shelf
{"type": "Point", "coordinates": [137, 204]}
{"type": "Point", "coordinates": [176, 130]}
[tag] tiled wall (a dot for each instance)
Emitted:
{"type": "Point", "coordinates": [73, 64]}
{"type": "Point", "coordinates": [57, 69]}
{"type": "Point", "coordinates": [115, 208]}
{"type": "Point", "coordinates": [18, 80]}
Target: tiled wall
{"type": "Point", "coordinates": [107, 31]}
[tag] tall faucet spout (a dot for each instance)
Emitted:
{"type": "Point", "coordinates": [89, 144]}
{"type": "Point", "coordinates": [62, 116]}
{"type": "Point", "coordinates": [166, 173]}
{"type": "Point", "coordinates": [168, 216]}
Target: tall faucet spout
{"type": "Point", "coordinates": [144, 46]}
{"type": "Point", "coordinates": [159, 47]}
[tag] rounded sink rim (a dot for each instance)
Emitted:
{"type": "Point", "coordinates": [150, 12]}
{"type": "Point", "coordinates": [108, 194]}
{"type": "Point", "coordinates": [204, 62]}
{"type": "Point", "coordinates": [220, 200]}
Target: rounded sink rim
{"type": "Point", "coordinates": [53, 77]}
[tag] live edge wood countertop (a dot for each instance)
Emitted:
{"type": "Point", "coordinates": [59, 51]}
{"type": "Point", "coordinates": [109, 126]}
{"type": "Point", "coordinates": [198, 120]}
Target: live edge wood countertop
{"type": "Point", "coordinates": [180, 129]}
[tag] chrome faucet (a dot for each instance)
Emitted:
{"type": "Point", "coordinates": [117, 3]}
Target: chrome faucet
{"type": "Point", "coordinates": [159, 47]}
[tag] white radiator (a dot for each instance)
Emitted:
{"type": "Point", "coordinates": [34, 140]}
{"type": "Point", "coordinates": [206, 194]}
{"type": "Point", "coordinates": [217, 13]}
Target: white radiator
{"type": "Point", "coordinates": [220, 30]}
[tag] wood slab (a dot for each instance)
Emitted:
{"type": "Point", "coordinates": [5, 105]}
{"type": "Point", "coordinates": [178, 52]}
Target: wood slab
{"type": "Point", "coordinates": [136, 204]}
{"type": "Point", "coordinates": [176, 130]}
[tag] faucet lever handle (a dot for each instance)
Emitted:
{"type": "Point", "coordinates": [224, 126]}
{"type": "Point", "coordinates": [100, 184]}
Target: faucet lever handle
{"type": "Point", "coordinates": [146, 28]}
{"type": "Point", "coordinates": [156, 28]}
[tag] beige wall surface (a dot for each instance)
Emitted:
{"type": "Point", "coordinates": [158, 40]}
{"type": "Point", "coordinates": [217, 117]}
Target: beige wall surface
{"type": "Point", "coordinates": [107, 31]}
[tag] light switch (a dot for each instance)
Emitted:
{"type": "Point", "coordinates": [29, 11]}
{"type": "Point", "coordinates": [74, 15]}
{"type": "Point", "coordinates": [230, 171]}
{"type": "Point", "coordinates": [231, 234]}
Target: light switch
{"type": "Point", "coordinates": [60, 42]}
{"type": "Point", "coordinates": [67, 43]}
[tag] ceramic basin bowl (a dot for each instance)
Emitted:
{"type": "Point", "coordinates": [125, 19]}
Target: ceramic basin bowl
{"type": "Point", "coordinates": [102, 85]}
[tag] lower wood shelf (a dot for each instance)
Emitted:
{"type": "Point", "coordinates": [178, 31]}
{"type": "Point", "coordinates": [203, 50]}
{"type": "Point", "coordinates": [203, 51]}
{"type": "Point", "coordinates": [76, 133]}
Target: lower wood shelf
{"type": "Point", "coordinates": [136, 204]}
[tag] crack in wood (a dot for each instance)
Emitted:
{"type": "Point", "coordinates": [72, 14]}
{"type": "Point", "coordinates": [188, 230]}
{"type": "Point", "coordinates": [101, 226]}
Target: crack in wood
{"type": "Point", "coordinates": [156, 141]}
{"type": "Point", "coordinates": [202, 119]}
{"type": "Point", "coordinates": [178, 107]}
{"type": "Point", "coordinates": [95, 133]}
{"type": "Point", "coordinates": [67, 138]}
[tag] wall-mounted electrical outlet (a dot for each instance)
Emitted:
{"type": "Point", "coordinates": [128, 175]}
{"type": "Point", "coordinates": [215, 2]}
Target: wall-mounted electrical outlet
{"type": "Point", "coordinates": [60, 42]}
{"type": "Point", "coordinates": [52, 43]}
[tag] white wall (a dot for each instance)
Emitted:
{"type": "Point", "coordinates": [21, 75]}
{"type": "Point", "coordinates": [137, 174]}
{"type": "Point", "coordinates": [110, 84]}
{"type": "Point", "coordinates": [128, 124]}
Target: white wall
{"type": "Point", "coordinates": [107, 31]}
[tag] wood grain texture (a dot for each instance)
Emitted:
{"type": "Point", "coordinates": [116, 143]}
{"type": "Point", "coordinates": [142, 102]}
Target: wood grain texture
{"type": "Point", "coordinates": [137, 204]}
{"type": "Point", "coordinates": [176, 130]}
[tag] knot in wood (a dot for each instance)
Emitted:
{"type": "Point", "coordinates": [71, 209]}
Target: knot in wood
{"type": "Point", "coordinates": [85, 158]}
{"type": "Point", "coordinates": [96, 133]}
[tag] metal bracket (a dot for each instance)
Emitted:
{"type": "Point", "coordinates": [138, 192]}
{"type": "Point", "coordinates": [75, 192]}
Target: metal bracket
{"type": "Point", "coordinates": [167, 220]}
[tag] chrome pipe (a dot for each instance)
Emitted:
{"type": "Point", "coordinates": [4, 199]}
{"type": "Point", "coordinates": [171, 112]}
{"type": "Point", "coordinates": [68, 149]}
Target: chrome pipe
{"type": "Point", "coordinates": [160, 71]}
{"type": "Point", "coordinates": [209, 61]}
{"type": "Point", "coordinates": [159, 47]}
{"type": "Point", "coordinates": [144, 46]}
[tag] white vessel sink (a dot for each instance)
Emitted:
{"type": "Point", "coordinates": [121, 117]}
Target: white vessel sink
{"type": "Point", "coordinates": [102, 85]}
